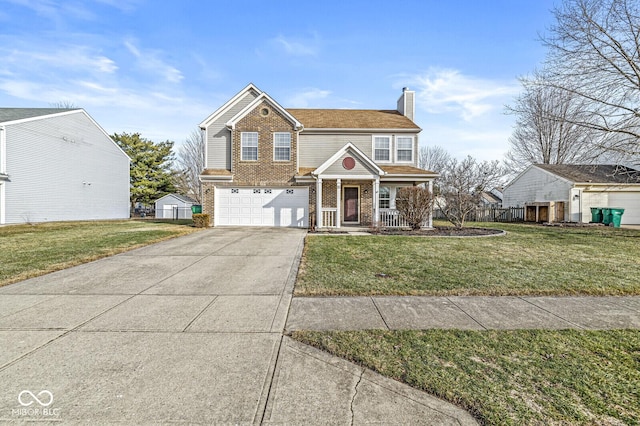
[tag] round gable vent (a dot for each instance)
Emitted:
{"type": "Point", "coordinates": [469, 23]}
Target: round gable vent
{"type": "Point", "coordinates": [348, 163]}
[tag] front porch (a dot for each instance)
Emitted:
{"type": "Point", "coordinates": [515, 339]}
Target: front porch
{"type": "Point", "coordinates": [356, 203]}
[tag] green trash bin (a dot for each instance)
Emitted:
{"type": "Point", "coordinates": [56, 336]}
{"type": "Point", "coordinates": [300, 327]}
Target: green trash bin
{"type": "Point", "coordinates": [596, 214]}
{"type": "Point", "coordinates": [606, 216]}
{"type": "Point", "coordinates": [196, 208]}
{"type": "Point", "coordinates": [616, 217]}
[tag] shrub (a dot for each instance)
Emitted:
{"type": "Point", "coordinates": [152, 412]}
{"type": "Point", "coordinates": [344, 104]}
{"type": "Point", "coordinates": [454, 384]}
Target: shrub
{"type": "Point", "coordinates": [201, 220]}
{"type": "Point", "coordinates": [414, 204]}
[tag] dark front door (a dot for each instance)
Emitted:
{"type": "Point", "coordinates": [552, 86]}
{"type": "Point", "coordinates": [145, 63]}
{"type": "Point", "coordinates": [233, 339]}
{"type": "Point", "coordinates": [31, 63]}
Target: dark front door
{"type": "Point", "coordinates": [350, 204]}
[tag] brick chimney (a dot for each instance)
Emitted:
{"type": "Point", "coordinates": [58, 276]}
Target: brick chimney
{"type": "Point", "coordinates": [407, 103]}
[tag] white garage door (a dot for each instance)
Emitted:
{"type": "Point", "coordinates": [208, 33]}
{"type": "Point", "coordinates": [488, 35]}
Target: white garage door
{"type": "Point", "coordinates": [262, 207]}
{"type": "Point", "coordinates": [630, 202]}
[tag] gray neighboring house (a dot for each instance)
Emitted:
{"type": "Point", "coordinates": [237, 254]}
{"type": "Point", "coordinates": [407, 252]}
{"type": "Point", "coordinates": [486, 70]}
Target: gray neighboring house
{"type": "Point", "coordinates": [59, 165]}
{"type": "Point", "coordinates": [174, 206]}
{"type": "Point", "coordinates": [563, 192]}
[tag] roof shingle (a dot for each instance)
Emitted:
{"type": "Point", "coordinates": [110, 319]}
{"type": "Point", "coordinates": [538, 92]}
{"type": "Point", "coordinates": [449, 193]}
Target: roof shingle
{"type": "Point", "coordinates": [12, 114]}
{"type": "Point", "coordinates": [352, 119]}
{"type": "Point", "coordinates": [601, 173]}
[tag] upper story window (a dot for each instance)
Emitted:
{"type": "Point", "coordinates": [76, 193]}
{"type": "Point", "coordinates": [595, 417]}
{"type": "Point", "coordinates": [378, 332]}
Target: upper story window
{"type": "Point", "coordinates": [382, 148]}
{"type": "Point", "coordinates": [282, 146]}
{"type": "Point", "coordinates": [249, 146]}
{"type": "Point", "coordinates": [404, 149]}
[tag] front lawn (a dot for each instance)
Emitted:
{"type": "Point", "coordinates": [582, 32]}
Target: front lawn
{"type": "Point", "coordinates": [521, 377]}
{"type": "Point", "coordinates": [31, 250]}
{"type": "Point", "coordinates": [529, 260]}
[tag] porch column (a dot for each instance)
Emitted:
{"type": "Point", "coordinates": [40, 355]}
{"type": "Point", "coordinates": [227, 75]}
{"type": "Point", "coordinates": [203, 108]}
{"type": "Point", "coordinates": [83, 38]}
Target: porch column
{"type": "Point", "coordinates": [318, 203]}
{"type": "Point", "coordinates": [376, 201]}
{"type": "Point", "coordinates": [338, 197]}
{"type": "Point", "coordinates": [430, 223]}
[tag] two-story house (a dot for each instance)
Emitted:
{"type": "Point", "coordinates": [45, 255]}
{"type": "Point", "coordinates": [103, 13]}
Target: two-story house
{"type": "Point", "coordinates": [271, 166]}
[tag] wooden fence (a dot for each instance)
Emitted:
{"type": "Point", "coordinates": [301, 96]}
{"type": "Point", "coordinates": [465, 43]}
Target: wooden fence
{"type": "Point", "coordinates": [481, 214]}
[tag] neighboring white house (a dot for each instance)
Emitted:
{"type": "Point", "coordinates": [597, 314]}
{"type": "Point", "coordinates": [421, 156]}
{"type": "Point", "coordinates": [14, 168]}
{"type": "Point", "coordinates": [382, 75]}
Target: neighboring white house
{"type": "Point", "coordinates": [59, 165]}
{"type": "Point", "coordinates": [569, 191]}
{"type": "Point", "coordinates": [174, 206]}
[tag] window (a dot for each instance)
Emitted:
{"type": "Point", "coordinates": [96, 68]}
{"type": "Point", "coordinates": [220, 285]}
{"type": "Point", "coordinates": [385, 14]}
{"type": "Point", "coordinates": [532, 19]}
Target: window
{"type": "Point", "coordinates": [282, 146]}
{"type": "Point", "coordinates": [404, 149]}
{"type": "Point", "coordinates": [249, 146]}
{"type": "Point", "coordinates": [381, 148]}
{"type": "Point", "coordinates": [385, 197]}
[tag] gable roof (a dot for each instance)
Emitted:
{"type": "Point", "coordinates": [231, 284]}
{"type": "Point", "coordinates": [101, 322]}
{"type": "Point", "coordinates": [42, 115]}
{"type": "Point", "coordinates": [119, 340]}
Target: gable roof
{"type": "Point", "coordinates": [257, 101]}
{"type": "Point", "coordinates": [352, 119]}
{"type": "Point", "coordinates": [15, 114]}
{"type": "Point", "coordinates": [600, 173]}
{"type": "Point", "coordinates": [182, 198]}
{"type": "Point", "coordinates": [229, 104]}
{"type": "Point", "coordinates": [351, 148]}
{"type": "Point", "coordinates": [10, 116]}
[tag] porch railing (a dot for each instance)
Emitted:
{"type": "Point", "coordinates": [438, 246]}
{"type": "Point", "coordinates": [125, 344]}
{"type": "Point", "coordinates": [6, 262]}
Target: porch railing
{"type": "Point", "coordinates": [329, 217]}
{"type": "Point", "coordinates": [390, 218]}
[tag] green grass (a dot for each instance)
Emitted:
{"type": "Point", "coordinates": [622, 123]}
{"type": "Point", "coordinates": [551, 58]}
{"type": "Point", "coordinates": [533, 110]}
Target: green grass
{"type": "Point", "coordinates": [32, 250]}
{"type": "Point", "coordinates": [529, 260]}
{"type": "Point", "coordinates": [522, 377]}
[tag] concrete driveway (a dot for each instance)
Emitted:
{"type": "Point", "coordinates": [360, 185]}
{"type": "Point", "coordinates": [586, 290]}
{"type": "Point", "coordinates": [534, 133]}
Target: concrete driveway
{"type": "Point", "coordinates": [188, 330]}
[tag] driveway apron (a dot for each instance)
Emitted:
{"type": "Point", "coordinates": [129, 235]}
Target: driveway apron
{"type": "Point", "coordinates": [183, 331]}
{"type": "Point", "coordinates": [189, 330]}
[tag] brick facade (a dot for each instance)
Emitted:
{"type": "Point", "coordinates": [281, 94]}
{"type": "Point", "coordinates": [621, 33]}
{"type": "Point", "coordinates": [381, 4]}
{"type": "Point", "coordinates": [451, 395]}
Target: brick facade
{"type": "Point", "coordinates": [266, 171]}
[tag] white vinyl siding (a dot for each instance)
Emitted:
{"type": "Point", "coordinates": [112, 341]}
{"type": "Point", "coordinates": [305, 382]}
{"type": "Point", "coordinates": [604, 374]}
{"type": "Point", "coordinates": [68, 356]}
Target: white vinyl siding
{"type": "Point", "coordinates": [64, 168]}
{"type": "Point", "coordinates": [382, 148]}
{"type": "Point", "coordinates": [219, 137]}
{"type": "Point", "coordinates": [404, 149]}
{"type": "Point", "coordinates": [249, 146]}
{"type": "Point", "coordinates": [282, 146]}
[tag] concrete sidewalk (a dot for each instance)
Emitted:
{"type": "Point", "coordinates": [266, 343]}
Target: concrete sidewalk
{"type": "Point", "coordinates": [189, 330]}
{"type": "Point", "coordinates": [458, 312]}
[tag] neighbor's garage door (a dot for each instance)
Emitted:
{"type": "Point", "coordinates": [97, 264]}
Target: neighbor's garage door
{"type": "Point", "coordinates": [262, 207]}
{"type": "Point", "coordinates": [630, 202]}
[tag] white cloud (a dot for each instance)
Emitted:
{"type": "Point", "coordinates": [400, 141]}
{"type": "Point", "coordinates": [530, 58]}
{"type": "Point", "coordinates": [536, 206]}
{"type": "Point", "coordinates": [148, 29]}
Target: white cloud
{"type": "Point", "coordinates": [304, 98]}
{"type": "Point", "coordinates": [72, 58]}
{"type": "Point", "coordinates": [463, 113]}
{"type": "Point", "coordinates": [295, 46]}
{"type": "Point", "coordinates": [449, 91]}
{"type": "Point", "coordinates": [150, 61]}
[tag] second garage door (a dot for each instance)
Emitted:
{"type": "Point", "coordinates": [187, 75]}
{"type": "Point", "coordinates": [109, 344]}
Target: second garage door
{"type": "Point", "coordinates": [262, 207]}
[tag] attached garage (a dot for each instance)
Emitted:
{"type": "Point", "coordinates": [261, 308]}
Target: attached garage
{"type": "Point", "coordinates": [279, 207]}
{"type": "Point", "coordinates": [629, 201]}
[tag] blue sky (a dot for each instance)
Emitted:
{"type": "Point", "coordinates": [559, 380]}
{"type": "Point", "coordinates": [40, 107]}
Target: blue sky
{"type": "Point", "coordinates": [161, 67]}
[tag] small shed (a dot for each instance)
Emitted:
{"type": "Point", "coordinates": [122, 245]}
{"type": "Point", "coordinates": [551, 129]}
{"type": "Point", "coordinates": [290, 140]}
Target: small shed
{"type": "Point", "coordinates": [174, 206]}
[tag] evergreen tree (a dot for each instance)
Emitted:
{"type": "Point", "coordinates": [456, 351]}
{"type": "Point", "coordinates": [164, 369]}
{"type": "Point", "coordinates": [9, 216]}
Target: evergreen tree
{"type": "Point", "coordinates": [151, 176]}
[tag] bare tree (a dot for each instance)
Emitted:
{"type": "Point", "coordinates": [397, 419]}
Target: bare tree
{"type": "Point", "coordinates": [545, 131]}
{"type": "Point", "coordinates": [190, 162]}
{"type": "Point", "coordinates": [433, 158]}
{"type": "Point", "coordinates": [594, 54]}
{"type": "Point", "coordinates": [63, 105]}
{"type": "Point", "coordinates": [461, 184]}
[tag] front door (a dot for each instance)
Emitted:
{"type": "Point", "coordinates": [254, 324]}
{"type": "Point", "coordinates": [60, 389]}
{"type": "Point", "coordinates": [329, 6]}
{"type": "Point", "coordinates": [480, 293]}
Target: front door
{"type": "Point", "coordinates": [351, 208]}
